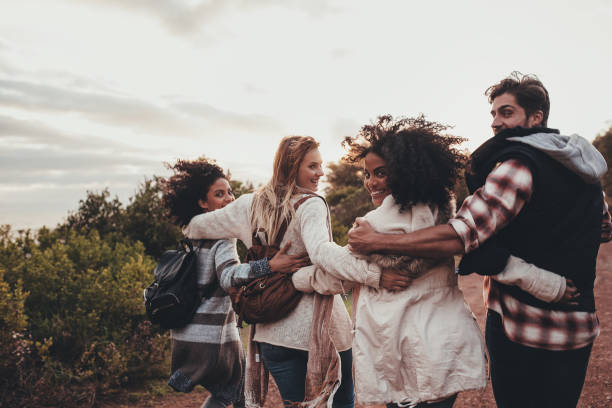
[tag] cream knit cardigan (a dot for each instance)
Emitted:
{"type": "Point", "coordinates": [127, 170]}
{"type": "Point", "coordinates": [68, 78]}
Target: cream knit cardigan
{"type": "Point", "coordinates": [308, 232]}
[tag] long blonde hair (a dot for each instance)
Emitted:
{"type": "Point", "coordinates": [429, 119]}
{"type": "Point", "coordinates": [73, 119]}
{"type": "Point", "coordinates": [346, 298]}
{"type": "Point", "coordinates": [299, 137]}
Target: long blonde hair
{"type": "Point", "coordinates": [272, 202]}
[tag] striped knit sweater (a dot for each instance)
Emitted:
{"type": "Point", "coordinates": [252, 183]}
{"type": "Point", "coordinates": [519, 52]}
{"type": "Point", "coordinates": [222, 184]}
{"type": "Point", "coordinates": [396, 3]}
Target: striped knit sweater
{"type": "Point", "coordinates": [208, 351]}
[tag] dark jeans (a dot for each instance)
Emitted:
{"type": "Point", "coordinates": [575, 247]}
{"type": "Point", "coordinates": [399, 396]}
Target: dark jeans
{"type": "Point", "coordinates": [447, 403]}
{"type": "Point", "coordinates": [288, 368]}
{"type": "Point", "coordinates": [214, 402]}
{"type": "Point", "coordinates": [527, 377]}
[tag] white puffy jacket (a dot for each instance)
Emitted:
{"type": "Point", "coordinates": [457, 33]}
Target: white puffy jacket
{"type": "Point", "coordinates": [421, 344]}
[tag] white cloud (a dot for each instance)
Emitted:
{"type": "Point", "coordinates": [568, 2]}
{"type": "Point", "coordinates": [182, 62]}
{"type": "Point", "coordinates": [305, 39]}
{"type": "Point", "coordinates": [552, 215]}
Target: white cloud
{"type": "Point", "coordinates": [98, 93]}
{"type": "Point", "coordinates": [189, 16]}
{"type": "Point", "coordinates": [112, 109]}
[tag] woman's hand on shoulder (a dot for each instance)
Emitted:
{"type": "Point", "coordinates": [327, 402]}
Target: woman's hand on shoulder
{"type": "Point", "coordinates": [284, 263]}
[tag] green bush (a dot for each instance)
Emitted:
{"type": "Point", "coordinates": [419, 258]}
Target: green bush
{"type": "Point", "coordinates": [13, 324]}
{"type": "Point", "coordinates": [73, 307]}
{"type": "Point", "coordinates": [72, 321]}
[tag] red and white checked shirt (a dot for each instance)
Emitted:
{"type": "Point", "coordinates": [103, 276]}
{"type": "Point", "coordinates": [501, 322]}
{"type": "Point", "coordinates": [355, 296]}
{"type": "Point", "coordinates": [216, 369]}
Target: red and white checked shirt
{"type": "Point", "coordinates": [506, 190]}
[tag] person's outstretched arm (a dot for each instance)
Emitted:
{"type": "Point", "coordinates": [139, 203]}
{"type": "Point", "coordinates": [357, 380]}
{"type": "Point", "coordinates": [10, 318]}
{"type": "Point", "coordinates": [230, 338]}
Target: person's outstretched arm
{"type": "Point", "coordinates": [332, 258]}
{"type": "Point", "coordinates": [231, 221]}
{"type": "Point", "coordinates": [540, 283]}
{"type": "Point", "coordinates": [440, 241]}
{"type": "Point", "coordinates": [314, 279]}
{"type": "Point", "coordinates": [488, 210]}
{"type": "Point", "coordinates": [231, 273]}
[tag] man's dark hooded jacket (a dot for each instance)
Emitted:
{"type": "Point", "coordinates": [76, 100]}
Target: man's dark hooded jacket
{"type": "Point", "coordinates": [559, 228]}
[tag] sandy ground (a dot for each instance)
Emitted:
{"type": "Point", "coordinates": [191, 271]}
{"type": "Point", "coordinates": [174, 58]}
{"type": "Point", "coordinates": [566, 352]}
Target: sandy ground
{"type": "Point", "coordinates": [597, 392]}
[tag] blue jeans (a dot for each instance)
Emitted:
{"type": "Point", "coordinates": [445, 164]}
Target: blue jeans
{"type": "Point", "coordinates": [527, 377]}
{"type": "Point", "coordinates": [447, 403]}
{"type": "Point", "coordinates": [288, 368]}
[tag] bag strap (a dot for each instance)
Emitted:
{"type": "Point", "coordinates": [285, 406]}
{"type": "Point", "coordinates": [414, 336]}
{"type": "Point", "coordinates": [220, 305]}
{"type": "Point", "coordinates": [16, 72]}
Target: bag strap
{"type": "Point", "coordinates": [283, 228]}
{"type": "Point", "coordinates": [186, 244]}
{"type": "Point", "coordinates": [281, 233]}
{"type": "Point", "coordinates": [306, 197]}
{"type": "Point", "coordinates": [301, 200]}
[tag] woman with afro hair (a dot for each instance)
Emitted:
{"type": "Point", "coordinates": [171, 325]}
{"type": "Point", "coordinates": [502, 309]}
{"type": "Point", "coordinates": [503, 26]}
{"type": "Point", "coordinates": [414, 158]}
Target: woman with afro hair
{"type": "Point", "coordinates": [418, 346]}
{"type": "Point", "coordinates": [208, 351]}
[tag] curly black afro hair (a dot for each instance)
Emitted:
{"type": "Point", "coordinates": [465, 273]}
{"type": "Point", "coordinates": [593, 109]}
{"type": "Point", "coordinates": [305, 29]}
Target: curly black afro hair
{"type": "Point", "coordinates": [422, 163]}
{"type": "Point", "coordinates": [189, 183]}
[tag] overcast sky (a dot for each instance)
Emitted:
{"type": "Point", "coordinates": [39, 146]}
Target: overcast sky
{"type": "Point", "coordinates": [99, 93]}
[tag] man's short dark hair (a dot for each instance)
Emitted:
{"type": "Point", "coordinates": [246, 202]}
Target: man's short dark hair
{"type": "Point", "coordinates": [528, 90]}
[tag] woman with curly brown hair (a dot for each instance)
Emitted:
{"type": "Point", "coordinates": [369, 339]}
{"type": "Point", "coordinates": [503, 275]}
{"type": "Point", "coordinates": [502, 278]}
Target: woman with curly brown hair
{"type": "Point", "coordinates": [208, 351]}
{"type": "Point", "coordinates": [419, 346]}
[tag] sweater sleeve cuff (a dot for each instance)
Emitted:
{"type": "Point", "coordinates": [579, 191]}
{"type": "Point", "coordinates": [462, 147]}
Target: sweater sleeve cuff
{"type": "Point", "coordinates": [373, 275]}
{"type": "Point", "coordinates": [463, 231]}
{"type": "Point", "coordinates": [260, 268]}
{"type": "Point", "coordinates": [560, 290]}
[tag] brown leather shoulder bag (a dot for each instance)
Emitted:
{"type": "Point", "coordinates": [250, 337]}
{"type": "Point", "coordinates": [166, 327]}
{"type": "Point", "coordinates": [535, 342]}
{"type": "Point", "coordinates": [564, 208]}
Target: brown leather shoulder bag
{"type": "Point", "coordinates": [271, 297]}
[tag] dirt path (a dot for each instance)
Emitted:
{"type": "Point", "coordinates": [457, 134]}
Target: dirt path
{"type": "Point", "coordinates": [597, 391]}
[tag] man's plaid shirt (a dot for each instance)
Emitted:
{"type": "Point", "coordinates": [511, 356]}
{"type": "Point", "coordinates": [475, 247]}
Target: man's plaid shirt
{"type": "Point", "coordinates": [507, 188]}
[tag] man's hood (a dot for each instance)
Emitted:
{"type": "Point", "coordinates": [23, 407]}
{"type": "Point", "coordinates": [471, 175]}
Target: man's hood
{"type": "Point", "coordinates": [574, 152]}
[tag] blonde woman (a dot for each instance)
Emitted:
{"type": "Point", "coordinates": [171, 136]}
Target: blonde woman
{"type": "Point", "coordinates": [308, 352]}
